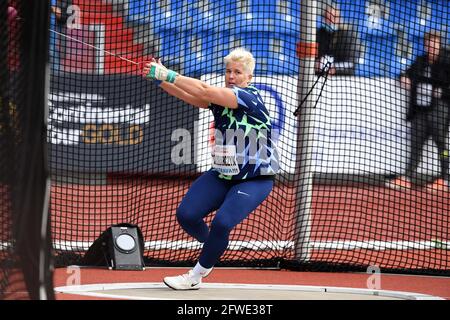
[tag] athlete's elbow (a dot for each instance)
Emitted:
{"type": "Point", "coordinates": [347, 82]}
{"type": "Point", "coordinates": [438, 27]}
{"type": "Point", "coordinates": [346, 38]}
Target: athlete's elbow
{"type": "Point", "coordinates": [207, 93]}
{"type": "Point", "coordinates": [204, 92]}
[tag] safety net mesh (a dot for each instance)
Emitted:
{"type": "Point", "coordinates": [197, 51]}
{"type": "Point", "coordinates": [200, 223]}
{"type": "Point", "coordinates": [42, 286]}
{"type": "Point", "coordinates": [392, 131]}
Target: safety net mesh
{"type": "Point", "coordinates": [25, 248]}
{"type": "Point", "coordinates": [363, 177]}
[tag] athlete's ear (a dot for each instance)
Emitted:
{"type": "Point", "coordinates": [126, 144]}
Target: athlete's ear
{"type": "Point", "coordinates": [249, 79]}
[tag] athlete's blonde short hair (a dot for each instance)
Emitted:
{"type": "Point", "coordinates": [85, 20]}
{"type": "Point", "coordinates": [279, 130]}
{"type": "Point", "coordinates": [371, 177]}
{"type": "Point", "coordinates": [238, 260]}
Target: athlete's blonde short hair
{"type": "Point", "coordinates": [243, 56]}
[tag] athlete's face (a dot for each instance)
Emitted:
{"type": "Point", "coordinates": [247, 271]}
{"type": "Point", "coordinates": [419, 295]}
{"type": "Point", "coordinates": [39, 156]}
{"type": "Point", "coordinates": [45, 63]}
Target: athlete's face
{"type": "Point", "coordinates": [235, 75]}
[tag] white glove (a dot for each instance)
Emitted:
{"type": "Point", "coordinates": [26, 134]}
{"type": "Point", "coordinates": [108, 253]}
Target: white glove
{"type": "Point", "coordinates": [159, 72]}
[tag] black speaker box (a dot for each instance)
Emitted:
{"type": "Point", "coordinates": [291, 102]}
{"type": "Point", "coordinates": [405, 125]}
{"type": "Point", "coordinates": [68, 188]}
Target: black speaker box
{"type": "Point", "coordinates": [125, 249]}
{"type": "Point", "coordinates": [120, 247]}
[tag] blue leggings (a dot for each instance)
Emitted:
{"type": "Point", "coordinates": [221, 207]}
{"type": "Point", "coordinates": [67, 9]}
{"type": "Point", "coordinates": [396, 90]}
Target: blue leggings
{"type": "Point", "coordinates": [233, 200]}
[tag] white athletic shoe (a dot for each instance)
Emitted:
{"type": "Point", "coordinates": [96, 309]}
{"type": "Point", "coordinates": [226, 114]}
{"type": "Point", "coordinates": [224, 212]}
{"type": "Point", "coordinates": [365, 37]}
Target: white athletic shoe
{"type": "Point", "coordinates": [185, 281]}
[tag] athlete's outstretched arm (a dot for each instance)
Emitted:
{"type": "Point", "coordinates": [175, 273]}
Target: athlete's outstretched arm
{"type": "Point", "coordinates": [196, 89]}
{"type": "Point", "coordinates": [177, 92]}
{"type": "Point", "coordinates": [222, 96]}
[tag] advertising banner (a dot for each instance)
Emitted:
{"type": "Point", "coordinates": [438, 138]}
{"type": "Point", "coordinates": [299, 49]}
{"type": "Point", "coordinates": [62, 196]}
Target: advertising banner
{"type": "Point", "coordinates": [115, 124]}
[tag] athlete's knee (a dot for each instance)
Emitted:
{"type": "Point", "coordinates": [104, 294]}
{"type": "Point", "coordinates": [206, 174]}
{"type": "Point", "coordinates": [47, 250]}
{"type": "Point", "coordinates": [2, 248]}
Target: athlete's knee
{"type": "Point", "coordinates": [185, 216]}
{"type": "Point", "coordinates": [221, 224]}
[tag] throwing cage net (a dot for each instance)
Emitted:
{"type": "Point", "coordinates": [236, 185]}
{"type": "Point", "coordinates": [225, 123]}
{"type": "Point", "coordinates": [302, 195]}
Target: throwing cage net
{"type": "Point", "coordinates": [25, 243]}
{"type": "Point", "coordinates": [121, 150]}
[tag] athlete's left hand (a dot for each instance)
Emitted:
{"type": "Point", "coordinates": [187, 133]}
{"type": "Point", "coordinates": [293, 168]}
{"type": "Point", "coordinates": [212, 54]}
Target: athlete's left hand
{"type": "Point", "coordinates": [156, 71]}
{"type": "Point", "coordinates": [146, 66]}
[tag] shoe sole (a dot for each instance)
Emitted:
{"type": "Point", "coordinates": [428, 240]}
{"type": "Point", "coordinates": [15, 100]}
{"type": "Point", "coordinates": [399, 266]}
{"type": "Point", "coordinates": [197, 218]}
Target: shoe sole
{"type": "Point", "coordinates": [188, 288]}
{"type": "Point", "coordinates": [179, 289]}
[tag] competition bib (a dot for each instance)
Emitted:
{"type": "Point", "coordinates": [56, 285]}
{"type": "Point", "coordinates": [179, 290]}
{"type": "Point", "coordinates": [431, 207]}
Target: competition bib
{"type": "Point", "coordinates": [424, 94]}
{"type": "Point", "coordinates": [224, 160]}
